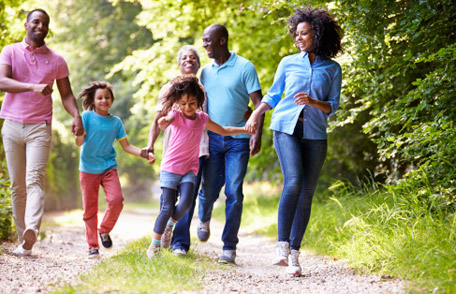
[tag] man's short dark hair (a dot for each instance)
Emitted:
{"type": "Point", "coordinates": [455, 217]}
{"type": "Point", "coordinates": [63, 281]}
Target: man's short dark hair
{"type": "Point", "coordinates": [39, 10]}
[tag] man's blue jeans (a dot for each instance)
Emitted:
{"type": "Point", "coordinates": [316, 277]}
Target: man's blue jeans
{"type": "Point", "coordinates": [181, 233]}
{"type": "Point", "coordinates": [226, 165]}
{"type": "Point", "coordinates": [301, 161]}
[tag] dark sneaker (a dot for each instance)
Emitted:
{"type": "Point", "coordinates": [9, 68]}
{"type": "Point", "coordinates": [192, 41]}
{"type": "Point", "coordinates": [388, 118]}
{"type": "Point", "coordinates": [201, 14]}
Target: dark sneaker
{"type": "Point", "coordinates": [228, 257]}
{"type": "Point", "coordinates": [29, 237]}
{"type": "Point", "coordinates": [166, 237]}
{"type": "Point", "coordinates": [106, 240]}
{"type": "Point", "coordinates": [93, 253]}
{"type": "Point", "coordinates": [203, 231]}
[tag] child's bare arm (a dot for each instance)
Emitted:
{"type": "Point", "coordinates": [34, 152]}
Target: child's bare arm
{"type": "Point", "coordinates": [127, 147]}
{"type": "Point", "coordinates": [165, 121]}
{"type": "Point", "coordinates": [225, 131]}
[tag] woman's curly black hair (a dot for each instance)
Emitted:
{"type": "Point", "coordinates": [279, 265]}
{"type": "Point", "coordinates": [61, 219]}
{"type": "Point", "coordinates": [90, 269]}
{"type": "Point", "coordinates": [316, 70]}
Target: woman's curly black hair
{"type": "Point", "coordinates": [181, 85]}
{"type": "Point", "coordinates": [88, 94]}
{"type": "Point", "coordinates": [327, 33]}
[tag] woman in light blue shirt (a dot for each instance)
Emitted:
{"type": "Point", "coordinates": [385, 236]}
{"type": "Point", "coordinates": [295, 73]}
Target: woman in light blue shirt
{"type": "Point", "coordinates": [312, 82]}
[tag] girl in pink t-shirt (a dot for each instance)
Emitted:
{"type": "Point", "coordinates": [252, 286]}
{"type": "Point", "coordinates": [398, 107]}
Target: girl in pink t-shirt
{"type": "Point", "coordinates": [180, 164]}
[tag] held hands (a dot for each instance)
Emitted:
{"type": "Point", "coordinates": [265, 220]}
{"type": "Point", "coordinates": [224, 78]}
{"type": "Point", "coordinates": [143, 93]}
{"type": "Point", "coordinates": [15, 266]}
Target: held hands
{"type": "Point", "coordinates": [252, 124]}
{"type": "Point", "coordinates": [304, 99]}
{"type": "Point", "coordinates": [77, 128]}
{"type": "Point", "coordinates": [147, 154]}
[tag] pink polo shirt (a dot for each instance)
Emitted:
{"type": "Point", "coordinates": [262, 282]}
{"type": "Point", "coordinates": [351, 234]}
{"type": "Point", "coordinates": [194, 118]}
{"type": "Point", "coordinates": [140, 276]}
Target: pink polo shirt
{"type": "Point", "coordinates": [183, 150]}
{"type": "Point", "coordinates": [37, 66]}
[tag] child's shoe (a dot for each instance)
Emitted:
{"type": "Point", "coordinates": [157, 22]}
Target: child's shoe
{"type": "Point", "coordinates": [93, 253]}
{"type": "Point", "coordinates": [294, 268]}
{"type": "Point", "coordinates": [282, 251]}
{"type": "Point", "coordinates": [166, 237]}
{"type": "Point", "coordinates": [106, 240]}
{"type": "Point", "coordinates": [153, 250]}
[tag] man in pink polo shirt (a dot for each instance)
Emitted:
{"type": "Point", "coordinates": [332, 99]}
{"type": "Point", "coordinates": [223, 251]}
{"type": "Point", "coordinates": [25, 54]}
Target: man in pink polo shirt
{"type": "Point", "coordinates": [28, 70]}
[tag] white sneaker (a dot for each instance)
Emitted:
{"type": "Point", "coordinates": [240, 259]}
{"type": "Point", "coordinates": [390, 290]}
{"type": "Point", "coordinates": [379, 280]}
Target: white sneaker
{"type": "Point", "coordinates": [21, 251]}
{"type": "Point", "coordinates": [29, 236]}
{"type": "Point", "coordinates": [282, 251]}
{"type": "Point", "coordinates": [294, 268]}
{"type": "Point", "coordinates": [153, 250]}
{"type": "Point", "coordinates": [180, 252]}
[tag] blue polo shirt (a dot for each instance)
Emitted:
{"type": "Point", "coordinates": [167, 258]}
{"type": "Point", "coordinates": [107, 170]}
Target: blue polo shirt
{"type": "Point", "coordinates": [98, 154]}
{"type": "Point", "coordinates": [228, 87]}
{"type": "Point", "coordinates": [320, 80]}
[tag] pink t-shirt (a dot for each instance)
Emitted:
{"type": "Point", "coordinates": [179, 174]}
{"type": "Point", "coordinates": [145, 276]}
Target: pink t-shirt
{"type": "Point", "coordinates": [182, 155]}
{"type": "Point", "coordinates": [37, 66]}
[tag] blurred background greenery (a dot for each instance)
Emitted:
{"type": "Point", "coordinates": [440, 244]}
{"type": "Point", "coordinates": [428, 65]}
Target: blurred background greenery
{"type": "Point", "coordinates": [395, 125]}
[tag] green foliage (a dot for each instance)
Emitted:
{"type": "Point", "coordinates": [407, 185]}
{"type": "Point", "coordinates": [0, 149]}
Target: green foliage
{"type": "Point", "coordinates": [132, 272]}
{"type": "Point", "coordinates": [401, 86]}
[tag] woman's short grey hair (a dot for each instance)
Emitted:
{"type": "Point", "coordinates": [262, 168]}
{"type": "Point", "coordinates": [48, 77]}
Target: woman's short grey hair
{"type": "Point", "coordinates": [187, 48]}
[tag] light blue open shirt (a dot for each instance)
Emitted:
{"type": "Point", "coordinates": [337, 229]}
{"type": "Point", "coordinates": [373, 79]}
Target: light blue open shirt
{"type": "Point", "coordinates": [320, 80]}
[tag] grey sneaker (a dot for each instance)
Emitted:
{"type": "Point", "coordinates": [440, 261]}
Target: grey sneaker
{"type": "Point", "coordinates": [153, 250]}
{"type": "Point", "coordinates": [294, 268]}
{"type": "Point", "coordinates": [282, 251]}
{"type": "Point", "coordinates": [228, 257]}
{"type": "Point", "coordinates": [180, 252]}
{"type": "Point", "coordinates": [29, 237]}
{"type": "Point", "coordinates": [203, 231]}
{"type": "Point", "coordinates": [166, 237]}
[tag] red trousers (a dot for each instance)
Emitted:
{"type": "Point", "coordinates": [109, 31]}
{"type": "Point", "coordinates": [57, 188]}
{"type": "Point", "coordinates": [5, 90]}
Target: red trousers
{"type": "Point", "coordinates": [90, 185]}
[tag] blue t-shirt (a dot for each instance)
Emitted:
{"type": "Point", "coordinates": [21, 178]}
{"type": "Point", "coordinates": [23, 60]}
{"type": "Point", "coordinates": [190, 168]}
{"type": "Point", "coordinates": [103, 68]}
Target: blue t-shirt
{"type": "Point", "coordinates": [98, 154]}
{"type": "Point", "coordinates": [320, 80]}
{"type": "Point", "coordinates": [228, 87]}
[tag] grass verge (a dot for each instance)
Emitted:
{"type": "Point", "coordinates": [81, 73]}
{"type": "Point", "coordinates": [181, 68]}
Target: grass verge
{"type": "Point", "coordinates": [132, 272]}
{"type": "Point", "coordinates": [374, 230]}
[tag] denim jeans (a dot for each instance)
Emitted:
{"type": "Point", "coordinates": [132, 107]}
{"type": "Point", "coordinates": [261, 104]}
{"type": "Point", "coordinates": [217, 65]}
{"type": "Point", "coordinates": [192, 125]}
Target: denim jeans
{"type": "Point", "coordinates": [226, 165]}
{"type": "Point", "coordinates": [301, 161]}
{"type": "Point", "coordinates": [181, 233]}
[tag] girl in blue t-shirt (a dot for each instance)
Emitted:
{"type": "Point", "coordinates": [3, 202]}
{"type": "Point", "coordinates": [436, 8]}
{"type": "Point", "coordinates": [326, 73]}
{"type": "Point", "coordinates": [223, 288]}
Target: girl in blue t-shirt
{"type": "Point", "coordinates": [98, 165]}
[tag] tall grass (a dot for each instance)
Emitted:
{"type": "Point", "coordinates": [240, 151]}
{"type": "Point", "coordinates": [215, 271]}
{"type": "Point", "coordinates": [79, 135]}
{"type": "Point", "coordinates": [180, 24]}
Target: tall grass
{"type": "Point", "coordinates": [394, 230]}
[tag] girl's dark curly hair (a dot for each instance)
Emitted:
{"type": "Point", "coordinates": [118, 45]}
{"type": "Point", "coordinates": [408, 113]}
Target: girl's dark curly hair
{"type": "Point", "coordinates": [88, 94]}
{"type": "Point", "coordinates": [327, 33]}
{"type": "Point", "coordinates": [181, 85]}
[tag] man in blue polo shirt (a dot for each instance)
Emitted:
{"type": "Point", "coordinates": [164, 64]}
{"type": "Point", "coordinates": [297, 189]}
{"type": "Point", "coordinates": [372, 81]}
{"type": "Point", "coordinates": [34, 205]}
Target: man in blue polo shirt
{"type": "Point", "coordinates": [230, 80]}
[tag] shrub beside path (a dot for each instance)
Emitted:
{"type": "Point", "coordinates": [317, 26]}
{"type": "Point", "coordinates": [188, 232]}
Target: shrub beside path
{"type": "Point", "coordinates": [62, 256]}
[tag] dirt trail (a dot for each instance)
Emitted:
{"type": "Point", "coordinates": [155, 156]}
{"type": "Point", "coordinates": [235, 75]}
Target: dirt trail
{"type": "Point", "coordinates": [62, 256]}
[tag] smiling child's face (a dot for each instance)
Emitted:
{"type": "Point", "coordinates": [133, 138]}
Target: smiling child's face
{"type": "Point", "coordinates": [188, 106]}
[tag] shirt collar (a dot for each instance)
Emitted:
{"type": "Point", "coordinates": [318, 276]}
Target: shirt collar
{"type": "Point", "coordinates": [230, 62]}
{"type": "Point", "coordinates": [303, 54]}
{"type": "Point", "coordinates": [41, 50]}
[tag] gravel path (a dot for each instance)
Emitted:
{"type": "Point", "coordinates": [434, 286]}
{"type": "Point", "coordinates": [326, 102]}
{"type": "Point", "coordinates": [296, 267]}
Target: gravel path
{"type": "Point", "coordinates": [61, 257]}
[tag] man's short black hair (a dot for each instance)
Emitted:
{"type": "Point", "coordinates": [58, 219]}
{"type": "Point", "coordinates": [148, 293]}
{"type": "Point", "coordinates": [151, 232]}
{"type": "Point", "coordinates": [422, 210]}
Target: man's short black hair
{"type": "Point", "coordinates": [39, 10]}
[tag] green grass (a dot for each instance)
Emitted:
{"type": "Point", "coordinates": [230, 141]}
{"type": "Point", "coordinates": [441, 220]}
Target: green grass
{"type": "Point", "coordinates": [374, 230]}
{"type": "Point", "coordinates": [132, 272]}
